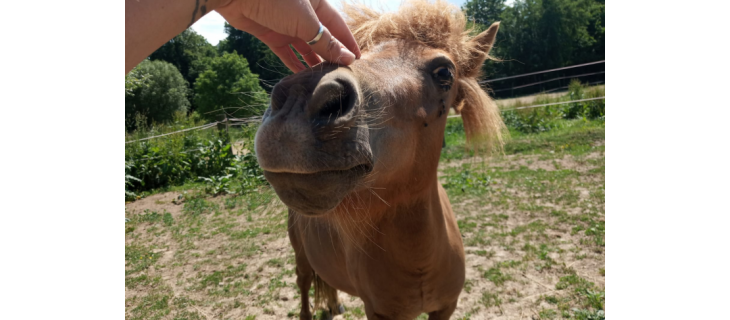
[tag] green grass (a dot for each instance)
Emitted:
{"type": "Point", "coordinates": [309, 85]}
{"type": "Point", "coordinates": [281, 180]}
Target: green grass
{"type": "Point", "coordinates": [139, 258]}
{"type": "Point", "coordinates": [525, 216]}
{"type": "Point", "coordinates": [575, 137]}
{"type": "Point", "coordinates": [495, 275]}
{"type": "Point", "coordinates": [490, 299]}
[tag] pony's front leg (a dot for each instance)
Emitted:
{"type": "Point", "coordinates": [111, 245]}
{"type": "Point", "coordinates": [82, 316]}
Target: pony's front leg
{"type": "Point", "coordinates": [305, 275]}
{"type": "Point", "coordinates": [443, 314]}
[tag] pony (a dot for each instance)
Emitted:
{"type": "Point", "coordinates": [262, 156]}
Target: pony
{"type": "Point", "coordinates": [353, 152]}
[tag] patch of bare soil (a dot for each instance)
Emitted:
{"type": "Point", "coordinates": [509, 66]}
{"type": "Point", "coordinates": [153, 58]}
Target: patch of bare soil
{"type": "Point", "coordinates": [531, 162]}
{"type": "Point", "coordinates": [160, 202]}
{"type": "Point", "coordinates": [232, 262]}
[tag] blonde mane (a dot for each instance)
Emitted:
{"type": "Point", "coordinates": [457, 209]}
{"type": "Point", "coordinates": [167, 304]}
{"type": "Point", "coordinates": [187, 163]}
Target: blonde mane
{"type": "Point", "coordinates": [439, 25]}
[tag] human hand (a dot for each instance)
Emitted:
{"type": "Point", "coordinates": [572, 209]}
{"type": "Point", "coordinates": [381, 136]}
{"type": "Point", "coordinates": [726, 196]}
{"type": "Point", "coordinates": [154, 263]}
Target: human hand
{"type": "Point", "coordinates": [279, 23]}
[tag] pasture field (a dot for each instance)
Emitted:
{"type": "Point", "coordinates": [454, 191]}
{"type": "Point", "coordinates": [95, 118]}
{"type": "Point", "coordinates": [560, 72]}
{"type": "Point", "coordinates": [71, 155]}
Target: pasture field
{"type": "Point", "coordinates": [532, 221]}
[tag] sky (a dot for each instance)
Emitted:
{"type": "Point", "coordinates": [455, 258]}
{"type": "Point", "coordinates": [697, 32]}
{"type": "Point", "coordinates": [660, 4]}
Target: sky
{"type": "Point", "coordinates": [211, 26]}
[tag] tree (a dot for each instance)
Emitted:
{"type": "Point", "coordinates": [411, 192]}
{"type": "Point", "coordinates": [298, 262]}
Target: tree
{"type": "Point", "coordinates": [484, 12]}
{"type": "Point", "coordinates": [228, 87]}
{"type": "Point", "coordinates": [156, 90]}
{"type": "Point", "coordinates": [537, 35]}
{"type": "Point", "coordinates": [262, 60]}
{"type": "Point", "coordinates": [188, 52]}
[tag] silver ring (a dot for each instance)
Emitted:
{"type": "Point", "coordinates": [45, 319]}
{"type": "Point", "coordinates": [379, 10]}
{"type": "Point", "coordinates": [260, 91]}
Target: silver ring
{"type": "Point", "coordinates": [318, 36]}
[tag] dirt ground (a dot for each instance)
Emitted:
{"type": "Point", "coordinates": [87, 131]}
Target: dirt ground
{"type": "Point", "coordinates": [532, 249]}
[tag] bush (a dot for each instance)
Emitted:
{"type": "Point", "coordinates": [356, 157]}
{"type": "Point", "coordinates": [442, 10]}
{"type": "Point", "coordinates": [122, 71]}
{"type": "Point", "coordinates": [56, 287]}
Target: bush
{"type": "Point", "coordinates": [155, 90]}
{"type": "Point", "coordinates": [533, 120]}
{"type": "Point", "coordinates": [171, 161]}
{"type": "Point", "coordinates": [587, 109]}
{"type": "Point", "coordinates": [198, 156]}
{"type": "Point", "coordinates": [542, 119]}
{"type": "Point", "coordinates": [228, 87]}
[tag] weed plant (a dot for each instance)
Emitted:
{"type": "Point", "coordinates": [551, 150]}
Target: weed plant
{"type": "Point", "coordinates": [540, 119]}
{"type": "Point", "coordinates": [203, 156]}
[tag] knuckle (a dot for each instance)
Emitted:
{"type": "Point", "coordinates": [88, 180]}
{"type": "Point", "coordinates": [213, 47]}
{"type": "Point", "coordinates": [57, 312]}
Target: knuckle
{"type": "Point", "coordinates": [333, 44]}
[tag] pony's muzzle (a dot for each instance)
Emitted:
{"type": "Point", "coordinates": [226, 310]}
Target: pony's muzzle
{"type": "Point", "coordinates": [311, 146]}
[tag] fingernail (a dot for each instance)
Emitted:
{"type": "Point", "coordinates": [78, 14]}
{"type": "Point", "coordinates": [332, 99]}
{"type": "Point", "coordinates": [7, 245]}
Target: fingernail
{"type": "Point", "coordinates": [347, 57]}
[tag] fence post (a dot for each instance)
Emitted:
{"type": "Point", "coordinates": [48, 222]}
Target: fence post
{"type": "Point", "coordinates": [221, 118]}
{"type": "Point", "coordinates": [227, 124]}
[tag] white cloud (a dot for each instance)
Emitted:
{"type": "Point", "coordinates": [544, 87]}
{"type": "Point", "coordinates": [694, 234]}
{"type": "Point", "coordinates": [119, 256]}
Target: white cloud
{"type": "Point", "coordinates": [211, 27]}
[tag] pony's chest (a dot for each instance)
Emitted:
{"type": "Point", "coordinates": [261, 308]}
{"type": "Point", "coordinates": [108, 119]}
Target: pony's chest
{"type": "Point", "coordinates": [400, 279]}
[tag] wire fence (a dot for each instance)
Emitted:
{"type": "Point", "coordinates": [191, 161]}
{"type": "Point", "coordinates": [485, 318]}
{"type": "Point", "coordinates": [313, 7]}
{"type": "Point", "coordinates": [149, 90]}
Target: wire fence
{"type": "Point", "coordinates": [228, 122]}
{"type": "Point", "coordinates": [256, 119]}
{"type": "Point", "coordinates": [550, 80]}
{"type": "Point", "coordinates": [541, 105]}
{"type": "Point", "coordinates": [544, 81]}
{"type": "Point", "coordinates": [544, 71]}
{"type": "Point", "coordinates": [240, 121]}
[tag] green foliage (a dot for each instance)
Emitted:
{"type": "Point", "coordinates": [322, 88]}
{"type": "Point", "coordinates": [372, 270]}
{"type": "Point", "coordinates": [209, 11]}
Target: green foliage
{"type": "Point", "coordinates": [164, 163]}
{"type": "Point", "coordinates": [229, 88]}
{"type": "Point", "coordinates": [582, 314]}
{"type": "Point", "coordinates": [597, 230]}
{"type": "Point", "coordinates": [468, 181]}
{"type": "Point", "coordinates": [203, 156]}
{"type": "Point", "coordinates": [250, 174]}
{"type": "Point", "coordinates": [540, 119]}
{"type": "Point", "coordinates": [188, 52]}
{"type": "Point", "coordinates": [484, 12]}
{"type": "Point", "coordinates": [545, 34]}
{"type": "Point", "coordinates": [133, 81]}
{"type": "Point", "coordinates": [155, 90]}
{"type": "Point", "coordinates": [216, 185]}
{"type": "Point", "coordinates": [495, 275]}
{"type": "Point", "coordinates": [530, 121]}
{"type": "Point", "coordinates": [538, 35]}
{"type": "Point", "coordinates": [595, 109]}
{"type": "Point", "coordinates": [129, 181]}
{"type": "Point", "coordinates": [262, 60]}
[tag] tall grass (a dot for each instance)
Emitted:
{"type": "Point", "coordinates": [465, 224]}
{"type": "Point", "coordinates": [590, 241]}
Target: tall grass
{"type": "Point", "coordinates": [542, 119]}
{"type": "Point", "coordinates": [193, 156]}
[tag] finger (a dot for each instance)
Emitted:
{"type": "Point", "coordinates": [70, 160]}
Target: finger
{"type": "Point", "coordinates": [307, 53]}
{"type": "Point", "coordinates": [327, 47]}
{"type": "Point", "coordinates": [288, 57]}
{"type": "Point", "coordinates": [334, 21]}
{"type": "Point", "coordinates": [330, 49]}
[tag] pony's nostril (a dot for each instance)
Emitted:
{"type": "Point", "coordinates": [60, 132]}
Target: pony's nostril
{"type": "Point", "coordinates": [336, 106]}
{"type": "Point", "coordinates": [332, 100]}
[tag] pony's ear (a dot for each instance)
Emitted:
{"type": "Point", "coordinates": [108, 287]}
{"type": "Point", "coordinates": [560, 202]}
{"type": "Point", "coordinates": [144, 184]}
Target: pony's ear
{"type": "Point", "coordinates": [479, 48]}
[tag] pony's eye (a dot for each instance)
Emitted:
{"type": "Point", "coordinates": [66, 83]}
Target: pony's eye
{"type": "Point", "coordinates": [443, 73]}
{"type": "Point", "coordinates": [444, 77]}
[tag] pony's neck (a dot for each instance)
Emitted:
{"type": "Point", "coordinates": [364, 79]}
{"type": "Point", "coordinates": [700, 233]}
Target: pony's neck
{"type": "Point", "coordinates": [416, 220]}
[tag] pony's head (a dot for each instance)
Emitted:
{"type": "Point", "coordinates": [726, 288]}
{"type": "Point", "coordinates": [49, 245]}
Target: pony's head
{"type": "Point", "coordinates": [333, 135]}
